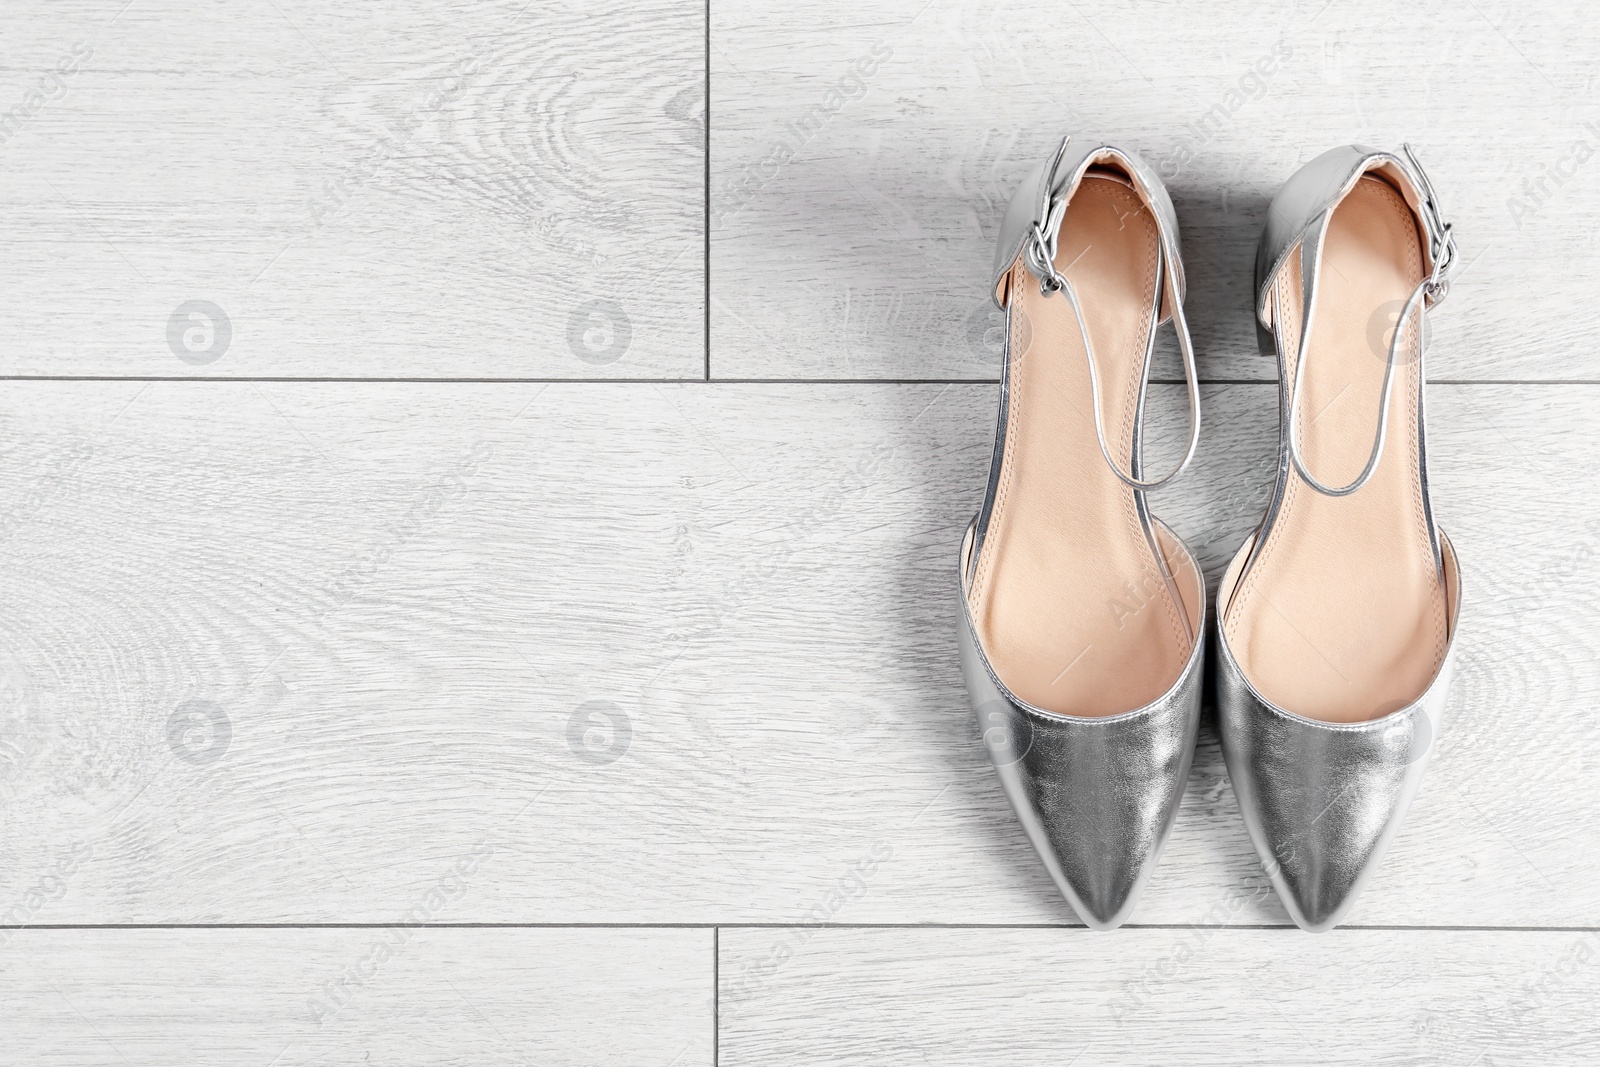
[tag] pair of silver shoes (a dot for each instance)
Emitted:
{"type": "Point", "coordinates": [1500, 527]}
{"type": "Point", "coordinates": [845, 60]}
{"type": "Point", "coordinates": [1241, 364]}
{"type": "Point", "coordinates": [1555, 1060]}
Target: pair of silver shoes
{"type": "Point", "coordinates": [1084, 619]}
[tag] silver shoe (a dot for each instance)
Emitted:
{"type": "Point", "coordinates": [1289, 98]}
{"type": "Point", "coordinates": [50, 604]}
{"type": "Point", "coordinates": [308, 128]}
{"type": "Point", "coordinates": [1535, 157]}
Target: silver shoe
{"type": "Point", "coordinates": [1336, 621]}
{"type": "Point", "coordinates": [1082, 620]}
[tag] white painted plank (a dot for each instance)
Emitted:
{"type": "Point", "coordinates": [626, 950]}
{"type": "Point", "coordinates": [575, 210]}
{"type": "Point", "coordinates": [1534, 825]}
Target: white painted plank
{"type": "Point", "coordinates": [1229, 998]}
{"type": "Point", "coordinates": [436, 188]}
{"type": "Point", "coordinates": [681, 653]}
{"type": "Point", "coordinates": [398, 995]}
{"type": "Point", "coordinates": [862, 157]}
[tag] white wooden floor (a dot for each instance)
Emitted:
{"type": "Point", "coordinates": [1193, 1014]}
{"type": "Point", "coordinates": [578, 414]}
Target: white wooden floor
{"type": "Point", "coordinates": [478, 539]}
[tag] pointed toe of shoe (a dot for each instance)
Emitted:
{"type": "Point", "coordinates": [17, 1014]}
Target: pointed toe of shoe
{"type": "Point", "coordinates": [1322, 801]}
{"type": "Point", "coordinates": [1105, 902]}
{"type": "Point", "coordinates": [1319, 861]}
{"type": "Point", "coordinates": [1098, 844]}
{"type": "Point", "coordinates": [1316, 909]}
{"type": "Point", "coordinates": [1096, 797]}
{"type": "Point", "coordinates": [1320, 841]}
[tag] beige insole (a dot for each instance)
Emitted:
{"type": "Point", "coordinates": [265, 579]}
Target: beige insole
{"type": "Point", "coordinates": [1342, 617]}
{"type": "Point", "coordinates": [1068, 600]}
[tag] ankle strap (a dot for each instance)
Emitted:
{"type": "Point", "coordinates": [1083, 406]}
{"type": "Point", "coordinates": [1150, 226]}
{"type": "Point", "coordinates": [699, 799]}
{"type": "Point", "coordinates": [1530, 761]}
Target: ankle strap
{"type": "Point", "coordinates": [1430, 291]}
{"type": "Point", "coordinates": [1039, 254]}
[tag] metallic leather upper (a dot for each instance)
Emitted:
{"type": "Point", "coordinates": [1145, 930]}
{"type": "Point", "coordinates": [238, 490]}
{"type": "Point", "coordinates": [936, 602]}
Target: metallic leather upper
{"type": "Point", "coordinates": [1082, 152]}
{"type": "Point", "coordinates": [1323, 800]}
{"type": "Point", "coordinates": [1298, 218]}
{"type": "Point", "coordinates": [1299, 212]}
{"type": "Point", "coordinates": [1022, 214]}
{"type": "Point", "coordinates": [1096, 797]}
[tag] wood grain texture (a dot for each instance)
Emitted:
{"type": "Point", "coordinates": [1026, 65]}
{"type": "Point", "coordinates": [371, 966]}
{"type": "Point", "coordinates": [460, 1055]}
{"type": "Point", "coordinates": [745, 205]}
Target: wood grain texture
{"type": "Point", "coordinates": [395, 996]}
{"type": "Point", "coordinates": [855, 198]}
{"type": "Point", "coordinates": [1276, 998]}
{"type": "Point", "coordinates": [429, 654]}
{"type": "Point", "coordinates": [284, 652]}
{"type": "Point", "coordinates": [432, 188]}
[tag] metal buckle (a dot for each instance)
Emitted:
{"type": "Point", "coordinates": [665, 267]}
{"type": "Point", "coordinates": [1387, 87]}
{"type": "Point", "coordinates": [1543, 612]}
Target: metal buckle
{"type": "Point", "coordinates": [1040, 252]}
{"type": "Point", "coordinates": [1441, 239]}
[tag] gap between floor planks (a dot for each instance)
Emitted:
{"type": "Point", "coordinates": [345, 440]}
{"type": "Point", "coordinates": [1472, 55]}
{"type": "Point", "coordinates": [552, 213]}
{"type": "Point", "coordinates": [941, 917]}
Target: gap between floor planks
{"type": "Point", "coordinates": [706, 381]}
{"type": "Point", "coordinates": [783, 926]}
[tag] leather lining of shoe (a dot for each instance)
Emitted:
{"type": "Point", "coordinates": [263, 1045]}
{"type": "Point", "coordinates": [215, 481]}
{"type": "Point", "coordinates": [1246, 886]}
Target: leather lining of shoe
{"type": "Point", "coordinates": [1343, 615]}
{"type": "Point", "coordinates": [1228, 586]}
{"type": "Point", "coordinates": [1074, 610]}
